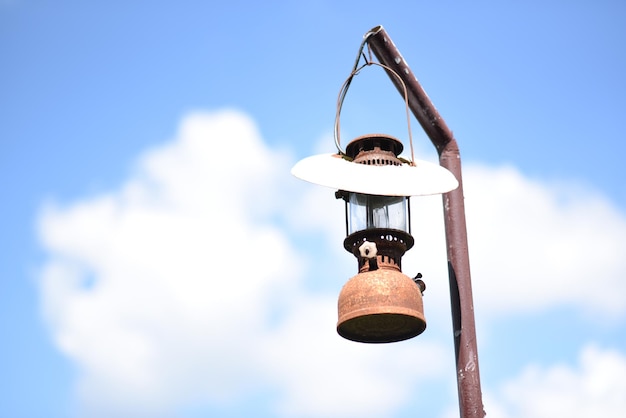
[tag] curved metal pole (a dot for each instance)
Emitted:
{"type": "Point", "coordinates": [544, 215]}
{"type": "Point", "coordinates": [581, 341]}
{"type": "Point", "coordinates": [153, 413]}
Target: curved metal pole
{"type": "Point", "coordinates": [466, 353]}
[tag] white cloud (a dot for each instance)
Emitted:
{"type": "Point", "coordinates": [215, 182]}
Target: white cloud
{"type": "Point", "coordinates": [535, 246]}
{"type": "Point", "coordinates": [179, 266]}
{"type": "Point", "coordinates": [190, 284]}
{"type": "Point", "coordinates": [594, 388]}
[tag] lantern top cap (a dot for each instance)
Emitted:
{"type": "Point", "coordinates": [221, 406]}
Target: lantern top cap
{"type": "Point", "coordinates": [372, 141]}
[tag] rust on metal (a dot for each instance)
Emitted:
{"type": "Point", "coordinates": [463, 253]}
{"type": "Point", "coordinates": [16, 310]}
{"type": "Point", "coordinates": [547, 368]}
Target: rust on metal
{"type": "Point", "coordinates": [380, 306]}
{"type": "Point", "coordinates": [466, 353]}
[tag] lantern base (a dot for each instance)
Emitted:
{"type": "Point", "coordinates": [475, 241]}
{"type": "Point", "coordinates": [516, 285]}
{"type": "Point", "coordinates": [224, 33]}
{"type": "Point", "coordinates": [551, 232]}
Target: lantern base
{"type": "Point", "coordinates": [381, 328]}
{"type": "Point", "coordinates": [380, 306]}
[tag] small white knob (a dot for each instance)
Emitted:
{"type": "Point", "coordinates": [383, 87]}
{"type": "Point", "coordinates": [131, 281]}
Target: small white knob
{"type": "Point", "coordinates": [368, 249]}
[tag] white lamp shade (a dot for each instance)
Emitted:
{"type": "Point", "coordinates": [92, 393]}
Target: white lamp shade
{"type": "Point", "coordinates": [331, 170]}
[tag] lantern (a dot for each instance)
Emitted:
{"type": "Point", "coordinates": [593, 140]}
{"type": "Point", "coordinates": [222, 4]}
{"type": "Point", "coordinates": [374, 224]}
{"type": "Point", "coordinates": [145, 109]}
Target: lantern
{"type": "Point", "coordinates": [380, 304]}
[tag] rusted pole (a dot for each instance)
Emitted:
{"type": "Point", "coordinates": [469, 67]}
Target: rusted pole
{"type": "Point", "coordinates": [466, 353]}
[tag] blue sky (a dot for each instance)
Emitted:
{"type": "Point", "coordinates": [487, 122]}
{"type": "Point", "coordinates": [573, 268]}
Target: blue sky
{"type": "Point", "coordinates": [142, 142]}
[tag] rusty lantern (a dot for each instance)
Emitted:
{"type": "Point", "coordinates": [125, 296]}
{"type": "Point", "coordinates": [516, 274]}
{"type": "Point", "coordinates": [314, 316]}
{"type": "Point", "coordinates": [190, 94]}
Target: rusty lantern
{"type": "Point", "coordinates": [380, 304]}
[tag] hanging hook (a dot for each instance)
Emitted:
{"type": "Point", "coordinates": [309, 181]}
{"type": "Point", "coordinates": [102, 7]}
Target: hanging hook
{"type": "Point", "coordinates": [344, 90]}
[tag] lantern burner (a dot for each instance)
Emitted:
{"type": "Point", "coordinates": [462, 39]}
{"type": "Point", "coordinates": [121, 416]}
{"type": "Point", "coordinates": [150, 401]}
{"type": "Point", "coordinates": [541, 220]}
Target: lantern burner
{"type": "Point", "coordinates": [391, 245]}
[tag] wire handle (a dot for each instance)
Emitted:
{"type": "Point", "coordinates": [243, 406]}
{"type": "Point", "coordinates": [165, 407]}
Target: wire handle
{"type": "Point", "coordinates": [344, 90]}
